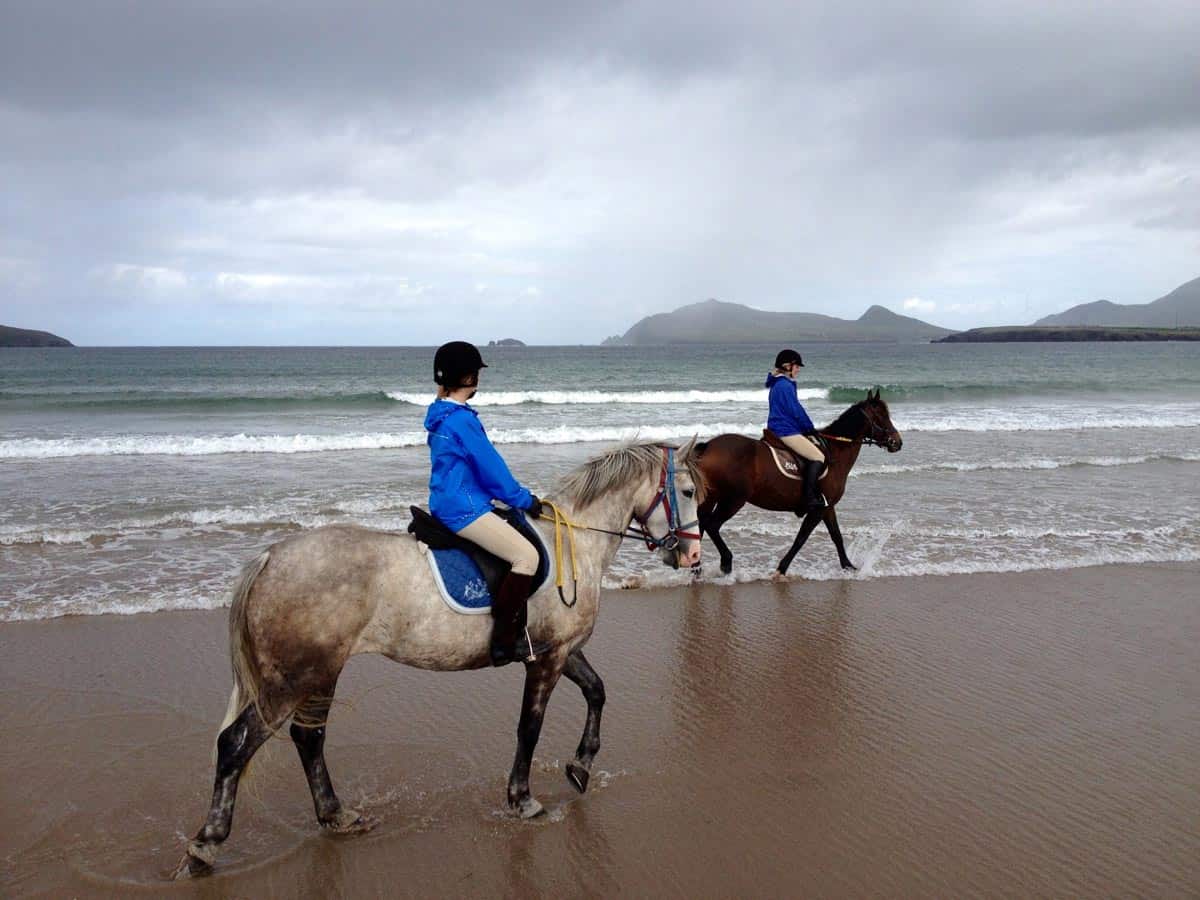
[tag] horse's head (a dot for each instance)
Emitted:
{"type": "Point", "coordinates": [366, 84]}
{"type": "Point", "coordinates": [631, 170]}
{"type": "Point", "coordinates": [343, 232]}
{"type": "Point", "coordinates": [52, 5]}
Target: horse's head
{"type": "Point", "coordinates": [878, 423]}
{"type": "Point", "coordinates": [658, 487]}
{"type": "Point", "coordinates": [669, 520]}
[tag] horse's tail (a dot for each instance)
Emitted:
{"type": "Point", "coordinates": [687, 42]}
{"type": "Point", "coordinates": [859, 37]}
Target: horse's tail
{"type": "Point", "coordinates": [247, 680]}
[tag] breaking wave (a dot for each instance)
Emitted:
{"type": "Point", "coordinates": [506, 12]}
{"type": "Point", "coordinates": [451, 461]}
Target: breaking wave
{"type": "Point", "coordinates": [634, 398]}
{"type": "Point", "coordinates": [1025, 464]}
{"type": "Point", "coordinates": [208, 445]}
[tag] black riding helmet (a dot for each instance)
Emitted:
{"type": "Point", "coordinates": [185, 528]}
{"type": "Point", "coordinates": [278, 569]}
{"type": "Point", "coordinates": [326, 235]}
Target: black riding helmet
{"type": "Point", "coordinates": [454, 360]}
{"type": "Point", "coordinates": [788, 356]}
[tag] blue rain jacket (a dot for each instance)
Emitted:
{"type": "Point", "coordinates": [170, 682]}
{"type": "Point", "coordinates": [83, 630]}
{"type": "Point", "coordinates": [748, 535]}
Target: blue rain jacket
{"type": "Point", "coordinates": [786, 415]}
{"type": "Point", "coordinates": [467, 472]}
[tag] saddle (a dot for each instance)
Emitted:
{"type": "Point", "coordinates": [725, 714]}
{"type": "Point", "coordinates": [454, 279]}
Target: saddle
{"type": "Point", "coordinates": [431, 532]}
{"type": "Point", "coordinates": [771, 439]}
{"type": "Point", "coordinates": [775, 443]}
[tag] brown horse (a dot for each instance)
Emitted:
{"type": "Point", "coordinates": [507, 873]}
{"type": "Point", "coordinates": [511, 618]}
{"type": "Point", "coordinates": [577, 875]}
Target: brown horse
{"type": "Point", "coordinates": [741, 470]}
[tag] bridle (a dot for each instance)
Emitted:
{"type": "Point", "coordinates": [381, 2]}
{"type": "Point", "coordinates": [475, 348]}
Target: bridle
{"type": "Point", "coordinates": [670, 541]}
{"type": "Point", "coordinates": [876, 431]}
{"type": "Point", "coordinates": [667, 497]}
{"type": "Point", "coordinates": [877, 436]}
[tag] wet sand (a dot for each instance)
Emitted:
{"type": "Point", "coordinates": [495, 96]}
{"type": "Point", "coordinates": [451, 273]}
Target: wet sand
{"type": "Point", "coordinates": [1031, 734]}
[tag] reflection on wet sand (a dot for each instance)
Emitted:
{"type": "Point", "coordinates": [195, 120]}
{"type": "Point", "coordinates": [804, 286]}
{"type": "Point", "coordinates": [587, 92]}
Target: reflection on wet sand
{"type": "Point", "coordinates": [1029, 734]}
{"type": "Point", "coordinates": [772, 672]}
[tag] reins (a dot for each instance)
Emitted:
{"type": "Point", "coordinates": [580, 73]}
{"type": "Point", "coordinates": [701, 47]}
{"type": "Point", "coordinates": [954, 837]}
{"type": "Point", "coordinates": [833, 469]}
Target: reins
{"type": "Point", "coordinates": [560, 518]}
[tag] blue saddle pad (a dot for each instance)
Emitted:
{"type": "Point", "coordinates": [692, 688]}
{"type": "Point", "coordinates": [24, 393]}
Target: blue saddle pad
{"type": "Point", "coordinates": [461, 582]}
{"type": "Point", "coordinates": [466, 586]}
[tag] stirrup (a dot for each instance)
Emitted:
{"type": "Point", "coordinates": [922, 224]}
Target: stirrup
{"type": "Point", "coordinates": [502, 656]}
{"type": "Point", "coordinates": [531, 657]}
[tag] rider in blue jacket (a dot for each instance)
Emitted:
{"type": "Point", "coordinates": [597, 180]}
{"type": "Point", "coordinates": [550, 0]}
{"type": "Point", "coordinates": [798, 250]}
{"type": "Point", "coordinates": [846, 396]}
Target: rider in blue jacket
{"type": "Point", "coordinates": [788, 420]}
{"type": "Point", "coordinates": [467, 475]}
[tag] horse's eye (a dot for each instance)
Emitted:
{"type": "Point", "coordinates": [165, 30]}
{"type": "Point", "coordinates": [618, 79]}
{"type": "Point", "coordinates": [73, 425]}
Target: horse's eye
{"type": "Point", "coordinates": [689, 493]}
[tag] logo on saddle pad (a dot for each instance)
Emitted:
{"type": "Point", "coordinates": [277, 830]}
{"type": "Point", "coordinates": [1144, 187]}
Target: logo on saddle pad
{"type": "Point", "coordinates": [787, 467]}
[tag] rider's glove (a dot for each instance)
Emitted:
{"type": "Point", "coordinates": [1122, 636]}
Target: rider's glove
{"type": "Point", "coordinates": [535, 507]}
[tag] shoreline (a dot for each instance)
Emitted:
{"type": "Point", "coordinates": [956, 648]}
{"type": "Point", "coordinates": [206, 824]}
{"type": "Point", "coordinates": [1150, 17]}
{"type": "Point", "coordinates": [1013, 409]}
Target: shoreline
{"type": "Point", "coordinates": [992, 733]}
{"type": "Point", "coordinates": [643, 583]}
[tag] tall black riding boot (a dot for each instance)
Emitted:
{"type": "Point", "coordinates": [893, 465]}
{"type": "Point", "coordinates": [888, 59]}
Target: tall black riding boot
{"type": "Point", "coordinates": [813, 498]}
{"type": "Point", "coordinates": [508, 620]}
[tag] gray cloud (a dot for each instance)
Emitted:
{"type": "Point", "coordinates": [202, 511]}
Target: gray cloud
{"type": "Point", "coordinates": [387, 172]}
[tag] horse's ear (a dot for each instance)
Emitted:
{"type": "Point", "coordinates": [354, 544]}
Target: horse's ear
{"type": "Point", "coordinates": [873, 395]}
{"type": "Point", "coordinates": [691, 448]}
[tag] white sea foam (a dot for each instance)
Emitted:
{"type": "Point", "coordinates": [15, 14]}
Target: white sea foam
{"type": "Point", "coordinates": [971, 551]}
{"type": "Point", "coordinates": [1019, 464]}
{"type": "Point", "coordinates": [181, 445]}
{"type": "Point", "coordinates": [634, 398]}
{"type": "Point", "coordinates": [1180, 416]}
{"type": "Point", "coordinates": [1106, 557]}
{"type": "Point", "coordinates": [390, 513]}
{"type": "Point", "coordinates": [754, 567]}
{"type": "Point", "coordinates": [1047, 419]}
{"type": "Point", "coordinates": [202, 445]}
{"type": "Point", "coordinates": [13, 536]}
{"type": "Point", "coordinates": [787, 526]}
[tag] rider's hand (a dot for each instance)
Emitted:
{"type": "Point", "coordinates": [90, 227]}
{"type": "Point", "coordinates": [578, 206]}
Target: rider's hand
{"type": "Point", "coordinates": [535, 507]}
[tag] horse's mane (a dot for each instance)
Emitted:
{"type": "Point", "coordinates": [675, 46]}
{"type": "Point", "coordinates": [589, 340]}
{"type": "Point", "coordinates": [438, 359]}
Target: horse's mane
{"type": "Point", "coordinates": [848, 424]}
{"type": "Point", "coordinates": [620, 465]}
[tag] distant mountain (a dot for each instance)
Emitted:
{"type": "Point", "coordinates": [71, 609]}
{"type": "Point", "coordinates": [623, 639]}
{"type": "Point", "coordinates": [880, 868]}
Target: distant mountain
{"type": "Point", "coordinates": [716, 322]}
{"type": "Point", "coordinates": [1177, 309]}
{"type": "Point", "coordinates": [23, 337]}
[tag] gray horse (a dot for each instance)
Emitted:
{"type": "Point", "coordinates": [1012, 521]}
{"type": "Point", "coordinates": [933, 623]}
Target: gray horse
{"type": "Point", "coordinates": [307, 604]}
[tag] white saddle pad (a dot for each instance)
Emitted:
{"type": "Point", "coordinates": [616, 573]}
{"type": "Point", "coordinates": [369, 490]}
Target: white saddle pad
{"type": "Point", "coordinates": [786, 465]}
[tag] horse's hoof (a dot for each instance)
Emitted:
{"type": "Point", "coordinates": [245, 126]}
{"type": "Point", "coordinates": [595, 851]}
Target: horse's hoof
{"type": "Point", "coordinates": [197, 861]}
{"type": "Point", "coordinates": [778, 577]}
{"type": "Point", "coordinates": [527, 808]}
{"type": "Point", "coordinates": [347, 821]}
{"type": "Point", "coordinates": [849, 566]}
{"type": "Point", "coordinates": [726, 567]}
{"type": "Point", "coordinates": [578, 776]}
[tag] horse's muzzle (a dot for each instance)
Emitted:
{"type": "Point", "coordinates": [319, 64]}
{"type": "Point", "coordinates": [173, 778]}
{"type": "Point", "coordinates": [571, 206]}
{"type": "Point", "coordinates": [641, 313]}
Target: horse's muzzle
{"type": "Point", "coordinates": [689, 554]}
{"type": "Point", "coordinates": [684, 555]}
{"type": "Point", "coordinates": [894, 443]}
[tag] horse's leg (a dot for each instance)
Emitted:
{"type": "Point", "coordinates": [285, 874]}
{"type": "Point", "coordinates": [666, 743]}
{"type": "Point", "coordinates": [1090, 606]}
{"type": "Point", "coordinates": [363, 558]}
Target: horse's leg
{"type": "Point", "coordinates": [704, 514]}
{"type": "Point", "coordinates": [722, 514]}
{"type": "Point", "coordinates": [703, 522]}
{"type": "Point", "coordinates": [308, 734]}
{"type": "Point", "coordinates": [806, 528]}
{"type": "Point", "coordinates": [235, 746]}
{"type": "Point", "coordinates": [580, 671]}
{"type": "Point", "coordinates": [540, 678]}
{"type": "Point", "coordinates": [835, 532]}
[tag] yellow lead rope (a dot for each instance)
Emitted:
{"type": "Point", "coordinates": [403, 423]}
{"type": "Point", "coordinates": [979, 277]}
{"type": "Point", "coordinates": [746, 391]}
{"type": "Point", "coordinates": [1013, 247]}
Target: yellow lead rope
{"type": "Point", "coordinates": [560, 519]}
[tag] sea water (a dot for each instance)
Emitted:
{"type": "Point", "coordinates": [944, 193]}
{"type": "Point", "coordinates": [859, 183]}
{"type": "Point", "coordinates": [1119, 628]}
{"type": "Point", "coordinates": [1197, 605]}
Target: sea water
{"type": "Point", "coordinates": [141, 478]}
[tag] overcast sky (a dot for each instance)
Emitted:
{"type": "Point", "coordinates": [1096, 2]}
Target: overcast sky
{"type": "Point", "coordinates": [397, 173]}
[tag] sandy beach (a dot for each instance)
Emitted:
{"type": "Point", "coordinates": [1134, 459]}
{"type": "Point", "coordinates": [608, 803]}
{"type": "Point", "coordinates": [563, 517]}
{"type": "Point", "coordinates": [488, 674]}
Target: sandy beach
{"type": "Point", "coordinates": [1028, 734]}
